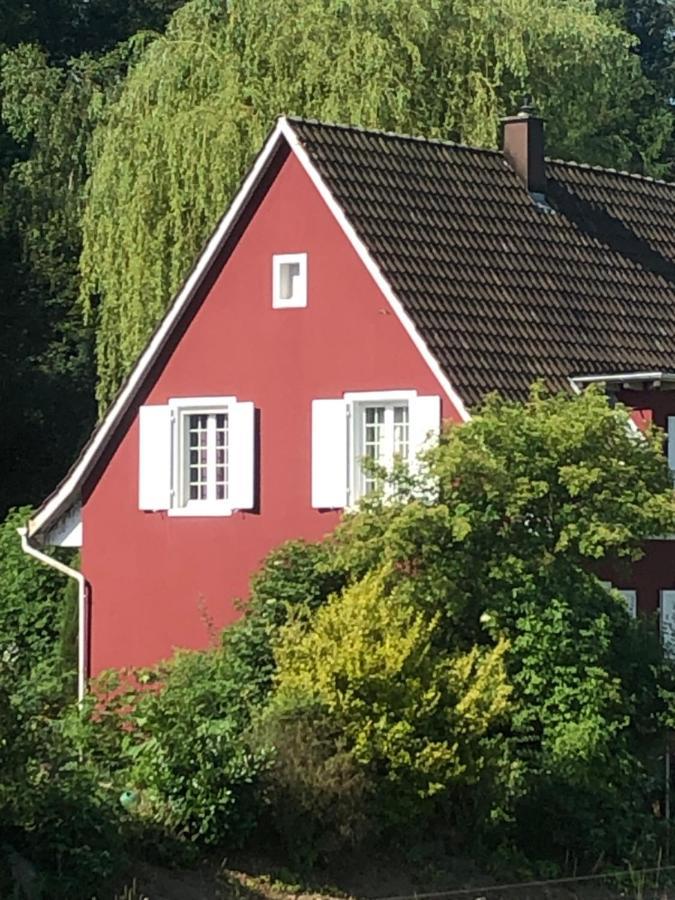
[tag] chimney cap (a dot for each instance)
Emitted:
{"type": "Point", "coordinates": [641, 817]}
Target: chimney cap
{"type": "Point", "coordinates": [527, 107]}
{"type": "Point", "coordinates": [527, 111]}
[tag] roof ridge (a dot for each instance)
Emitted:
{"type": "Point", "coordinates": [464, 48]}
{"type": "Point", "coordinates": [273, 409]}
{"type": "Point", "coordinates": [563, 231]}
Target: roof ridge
{"type": "Point", "coordinates": [381, 132]}
{"type": "Point", "coordinates": [609, 170]}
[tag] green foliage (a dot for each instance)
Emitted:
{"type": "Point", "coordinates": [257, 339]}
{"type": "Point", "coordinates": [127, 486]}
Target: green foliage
{"type": "Point", "coordinates": [653, 24]}
{"type": "Point", "coordinates": [46, 356]}
{"type": "Point", "coordinates": [55, 826]}
{"type": "Point", "coordinates": [48, 107]}
{"type": "Point", "coordinates": [32, 606]}
{"type": "Point", "coordinates": [446, 666]}
{"type": "Point", "coordinates": [179, 735]}
{"type": "Point", "coordinates": [66, 28]}
{"type": "Point", "coordinates": [57, 829]}
{"type": "Point", "coordinates": [517, 492]}
{"type": "Point", "coordinates": [412, 718]}
{"type": "Point", "coordinates": [196, 108]}
{"type": "Point", "coordinates": [177, 739]}
{"type": "Point", "coordinates": [520, 504]}
{"type": "Point", "coordinates": [294, 580]}
{"type": "Point", "coordinates": [317, 796]}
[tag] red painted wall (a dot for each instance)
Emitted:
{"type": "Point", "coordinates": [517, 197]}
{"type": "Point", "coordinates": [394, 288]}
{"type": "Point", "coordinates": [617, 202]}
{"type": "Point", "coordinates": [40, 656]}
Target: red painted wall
{"type": "Point", "coordinates": [156, 581]}
{"type": "Point", "coordinates": [650, 575]}
{"type": "Point", "coordinates": [656, 570]}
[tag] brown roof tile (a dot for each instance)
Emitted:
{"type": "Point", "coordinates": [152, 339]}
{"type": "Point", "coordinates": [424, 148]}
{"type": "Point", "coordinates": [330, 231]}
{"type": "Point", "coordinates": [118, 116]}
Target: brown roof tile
{"type": "Point", "coordinates": [502, 289]}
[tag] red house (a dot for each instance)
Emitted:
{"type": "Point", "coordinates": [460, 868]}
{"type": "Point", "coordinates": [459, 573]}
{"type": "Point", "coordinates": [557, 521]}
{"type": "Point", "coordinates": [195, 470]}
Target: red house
{"type": "Point", "coordinates": [361, 288]}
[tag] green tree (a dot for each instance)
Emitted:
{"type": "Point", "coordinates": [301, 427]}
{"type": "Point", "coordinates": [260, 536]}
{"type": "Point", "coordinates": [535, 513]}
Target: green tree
{"type": "Point", "coordinates": [498, 543]}
{"type": "Point", "coordinates": [33, 607]}
{"type": "Point", "coordinates": [197, 106]}
{"type": "Point", "coordinates": [51, 94]}
{"type": "Point", "coordinates": [46, 350]}
{"type": "Point", "coordinates": [652, 22]}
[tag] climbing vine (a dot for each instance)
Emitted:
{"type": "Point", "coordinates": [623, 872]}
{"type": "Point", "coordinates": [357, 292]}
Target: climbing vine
{"type": "Point", "coordinates": [197, 106]}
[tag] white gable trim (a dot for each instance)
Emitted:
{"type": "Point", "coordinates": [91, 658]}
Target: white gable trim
{"type": "Point", "coordinates": [67, 494]}
{"type": "Point", "coordinates": [373, 269]}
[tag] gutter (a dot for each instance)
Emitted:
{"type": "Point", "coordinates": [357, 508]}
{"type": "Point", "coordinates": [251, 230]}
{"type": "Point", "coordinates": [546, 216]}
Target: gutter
{"type": "Point", "coordinates": [33, 551]}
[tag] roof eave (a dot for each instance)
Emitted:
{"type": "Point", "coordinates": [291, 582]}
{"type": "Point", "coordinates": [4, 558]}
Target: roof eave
{"type": "Point", "coordinates": [612, 378]}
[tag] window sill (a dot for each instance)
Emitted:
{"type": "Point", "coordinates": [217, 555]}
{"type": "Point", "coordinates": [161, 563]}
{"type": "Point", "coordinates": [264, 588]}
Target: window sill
{"type": "Point", "coordinates": [197, 511]}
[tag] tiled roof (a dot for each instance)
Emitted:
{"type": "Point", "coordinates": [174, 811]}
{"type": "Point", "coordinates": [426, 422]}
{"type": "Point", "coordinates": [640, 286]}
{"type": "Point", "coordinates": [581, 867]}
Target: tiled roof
{"type": "Point", "coordinates": [502, 289]}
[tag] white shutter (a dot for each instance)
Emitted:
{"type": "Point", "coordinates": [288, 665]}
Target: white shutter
{"type": "Point", "coordinates": [329, 454]}
{"type": "Point", "coordinates": [425, 423]}
{"type": "Point", "coordinates": [630, 599]}
{"type": "Point", "coordinates": [241, 427]}
{"type": "Point", "coordinates": [668, 622]}
{"type": "Point", "coordinates": [671, 443]}
{"type": "Point", "coordinates": [154, 465]}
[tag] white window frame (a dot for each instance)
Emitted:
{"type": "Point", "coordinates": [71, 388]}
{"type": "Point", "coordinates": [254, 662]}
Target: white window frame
{"type": "Point", "coordinates": [356, 401]}
{"type": "Point", "coordinates": [299, 298]}
{"type": "Point", "coordinates": [628, 595]}
{"type": "Point", "coordinates": [181, 408]}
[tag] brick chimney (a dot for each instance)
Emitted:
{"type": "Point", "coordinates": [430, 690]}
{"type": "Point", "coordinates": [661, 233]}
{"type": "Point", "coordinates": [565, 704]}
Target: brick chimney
{"type": "Point", "coordinates": [523, 148]}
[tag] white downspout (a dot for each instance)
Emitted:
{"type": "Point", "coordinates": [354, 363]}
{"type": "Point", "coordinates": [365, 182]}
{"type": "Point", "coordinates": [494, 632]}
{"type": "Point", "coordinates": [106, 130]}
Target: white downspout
{"type": "Point", "coordinates": [28, 548]}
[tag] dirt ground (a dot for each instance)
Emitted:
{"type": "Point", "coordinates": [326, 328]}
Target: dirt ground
{"type": "Point", "coordinates": [367, 879]}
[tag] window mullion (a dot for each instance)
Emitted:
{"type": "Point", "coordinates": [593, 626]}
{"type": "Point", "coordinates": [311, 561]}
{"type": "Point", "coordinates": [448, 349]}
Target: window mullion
{"type": "Point", "coordinates": [388, 441]}
{"type": "Point", "coordinates": [211, 457]}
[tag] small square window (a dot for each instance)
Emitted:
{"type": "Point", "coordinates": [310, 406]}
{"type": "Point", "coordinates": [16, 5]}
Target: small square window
{"type": "Point", "coordinates": [289, 280]}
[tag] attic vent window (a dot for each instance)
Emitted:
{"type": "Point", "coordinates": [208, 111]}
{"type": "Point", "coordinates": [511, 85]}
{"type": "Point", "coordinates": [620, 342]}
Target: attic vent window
{"type": "Point", "coordinates": [289, 280]}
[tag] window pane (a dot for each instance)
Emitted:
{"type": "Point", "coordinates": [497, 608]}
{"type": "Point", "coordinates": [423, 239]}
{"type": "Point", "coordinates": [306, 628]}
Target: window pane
{"type": "Point", "coordinates": [197, 456]}
{"type": "Point", "coordinates": [401, 433]}
{"type": "Point", "coordinates": [373, 443]}
{"type": "Point", "coordinates": [288, 273]}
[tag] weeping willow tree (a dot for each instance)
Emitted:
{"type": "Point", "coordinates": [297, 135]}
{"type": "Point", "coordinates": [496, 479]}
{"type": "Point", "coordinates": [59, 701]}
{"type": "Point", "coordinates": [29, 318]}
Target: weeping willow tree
{"type": "Point", "coordinates": [198, 104]}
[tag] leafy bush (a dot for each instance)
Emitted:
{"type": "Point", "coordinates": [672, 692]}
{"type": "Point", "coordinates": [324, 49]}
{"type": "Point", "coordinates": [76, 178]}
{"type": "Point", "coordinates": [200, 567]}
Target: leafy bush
{"type": "Point", "coordinates": [32, 606]}
{"type": "Point", "coordinates": [56, 825]}
{"type": "Point", "coordinates": [414, 720]}
{"type": "Point", "coordinates": [494, 546]}
{"type": "Point", "coordinates": [175, 739]}
{"type": "Point", "coordinates": [318, 797]}
{"type": "Point", "coordinates": [294, 580]}
{"type": "Point", "coordinates": [446, 664]}
{"type": "Point", "coordinates": [56, 829]}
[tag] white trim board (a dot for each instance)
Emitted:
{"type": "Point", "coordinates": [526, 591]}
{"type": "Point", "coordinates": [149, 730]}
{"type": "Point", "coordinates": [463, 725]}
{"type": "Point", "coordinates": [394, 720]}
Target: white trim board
{"type": "Point", "coordinates": [373, 268]}
{"type": "Point", "coordinates": [68, 491]}
{"type": "Point", "coordinates": [577, 380]}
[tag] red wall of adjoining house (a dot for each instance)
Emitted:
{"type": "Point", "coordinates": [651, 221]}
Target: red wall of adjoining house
{"type": "Point", "coordinates": [648, 576]}
{"type": "Point", "coordinates": [656, 570]}
{"type": "Point", "coordinates": [157, 582]}
{"type": "Point", "coordinates": [650, 406]}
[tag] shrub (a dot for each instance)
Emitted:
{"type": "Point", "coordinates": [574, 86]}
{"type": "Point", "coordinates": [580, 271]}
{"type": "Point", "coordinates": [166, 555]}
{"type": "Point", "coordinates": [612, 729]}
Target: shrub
{"type": "Point", "coordinates": [56, 824]}
{"type": "Point", "coordinates": [177, 741]}
{"type": "Point", "coordinates": [415, 721]}
{"type": "Point", "coordinates": [177, 736]}
{"type": "Point", "coordinates": [495, 544]}
{"type": "Point", "coordinates": [294, 580]}
{"type": "Point", "coordinates": [317, 795]}
{"type": "Point", "coordinates": [32, 606]}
